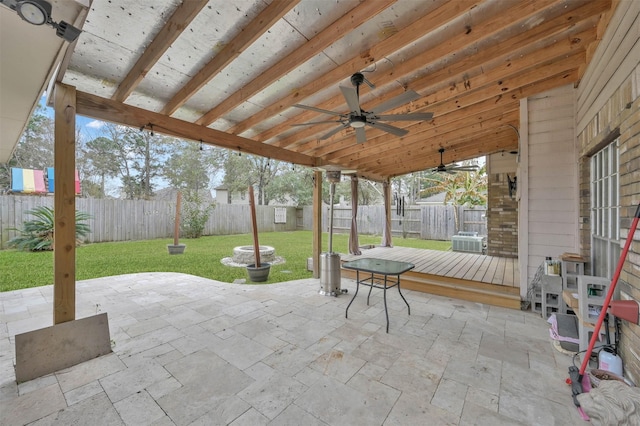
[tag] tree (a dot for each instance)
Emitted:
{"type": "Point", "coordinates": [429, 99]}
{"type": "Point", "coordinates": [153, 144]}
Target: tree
{"type": "Point", "coordinates": [35, 147]}
{"type": "Point", "coordinates": [295, 185]}
{"type": "Point", "coordinates": [101, 163]}
{"type": "Point", "coordinates": [147, 163]}
{"type": "Point", "coordinates": [189, 167]}
{"type": "Point", "coordinates": [461, 188]}
{"type": "Point", "coordinates": [244, 170]}
{"type": "Point", "coordinates": [263, 172]}
{"type": "Point", "coordinates": [236, 177]}
{"type": "Point", "coordinates": [136, 157]}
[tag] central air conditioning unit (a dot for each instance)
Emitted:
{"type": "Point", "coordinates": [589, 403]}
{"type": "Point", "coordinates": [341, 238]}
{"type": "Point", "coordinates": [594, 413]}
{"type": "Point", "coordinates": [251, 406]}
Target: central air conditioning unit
{"type": "Point", "coordinates": [468, 242]}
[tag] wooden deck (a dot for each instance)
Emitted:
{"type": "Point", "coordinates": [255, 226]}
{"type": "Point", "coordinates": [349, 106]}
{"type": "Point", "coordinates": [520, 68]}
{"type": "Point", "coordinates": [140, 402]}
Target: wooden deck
{"type": "Point", "coordinates": [478, 278]}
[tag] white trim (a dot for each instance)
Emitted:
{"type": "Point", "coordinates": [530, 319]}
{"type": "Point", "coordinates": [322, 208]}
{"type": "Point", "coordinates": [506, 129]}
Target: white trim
{"type": "Point", "coordinates": [523, 198]}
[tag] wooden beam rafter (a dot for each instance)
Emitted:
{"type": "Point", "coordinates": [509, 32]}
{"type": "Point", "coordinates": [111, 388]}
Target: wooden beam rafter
{"type": "Point", "coordinates": [495, 87]}
{"type": "Point", "coordinates": [523, 50]}
{"type": "Point", "coordinates": [262, 23]}
{"type": "Point", "coordinates": [346, 23]}
{"type": "Point", "coordinates": [175, 25]}
{"type": "Point", "coordinates": [445, 13]}
{"type": "Point", "coordinates": [448, 44]}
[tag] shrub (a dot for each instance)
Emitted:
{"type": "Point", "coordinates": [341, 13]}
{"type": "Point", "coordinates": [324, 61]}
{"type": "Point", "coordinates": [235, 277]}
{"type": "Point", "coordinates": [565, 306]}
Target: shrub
{"type": "Point", "coordinates": [195, 216]}
{"type": "Point", "coordinates": [37, 234]}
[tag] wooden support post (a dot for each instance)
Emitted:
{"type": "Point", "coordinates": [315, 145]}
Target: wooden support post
{"type": "Point", "coordinates": [176, 229]}
{"type": "Point", "coordinates": [64, 255]}
{"type": "Point", "coordinates": [317, 222]}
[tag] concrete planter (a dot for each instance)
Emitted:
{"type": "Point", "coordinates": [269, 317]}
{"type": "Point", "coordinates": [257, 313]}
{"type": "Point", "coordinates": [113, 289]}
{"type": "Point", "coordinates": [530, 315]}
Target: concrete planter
{"type": "Point", "coordinates": [260, 274]}
{"type": "Point", "coordinates": [176, 249]}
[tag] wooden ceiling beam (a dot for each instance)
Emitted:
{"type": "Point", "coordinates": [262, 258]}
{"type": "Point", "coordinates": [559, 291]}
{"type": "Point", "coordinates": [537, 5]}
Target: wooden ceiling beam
{"type": "Point", "coordinates": [445, 13]}
{"type": "Point", "coordinates": [343, 25]}
{"type": "Point", "coordinates": [175, 25]}
{"type": "Point", "coordinates": [477, 145]}
{"type": "Point", "coordinates": [522, 93]}
{"type": "Point", "coordinates": [503, 90]}
{"type": "Point", "coordinates": [442, 111]}
{"type": "Point", "coordinates": [254, 30]}
{"type": "Point", "coordinates": [116, 112]}
{"type": "Point", "coordinates": [501, 50]}
{"type": "Point", "coordinates": [428, 145]}
{"type": "Point", "coordinates": [381, 144]}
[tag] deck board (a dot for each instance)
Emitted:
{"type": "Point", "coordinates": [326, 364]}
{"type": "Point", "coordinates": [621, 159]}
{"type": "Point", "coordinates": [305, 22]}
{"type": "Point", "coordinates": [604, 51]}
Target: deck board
{"type": "Point", "coordinates": [500, 271]}
{"type": "Point", "coordinates": [468, 276]}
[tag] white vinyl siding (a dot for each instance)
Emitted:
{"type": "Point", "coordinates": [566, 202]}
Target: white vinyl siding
{"type": "Point", "coordinates": [552, 177]}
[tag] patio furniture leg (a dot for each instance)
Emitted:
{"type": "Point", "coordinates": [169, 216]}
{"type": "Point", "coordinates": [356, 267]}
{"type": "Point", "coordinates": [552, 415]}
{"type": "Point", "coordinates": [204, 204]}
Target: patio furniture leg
{"type": "Point", "coordinates": [386, 311]}
{"type": "Point", "coordinates": [346, 312]}
{"type": "Point", "coordinates": [401, 295]}
{"type": "Point", "coordinates": [370, 288]}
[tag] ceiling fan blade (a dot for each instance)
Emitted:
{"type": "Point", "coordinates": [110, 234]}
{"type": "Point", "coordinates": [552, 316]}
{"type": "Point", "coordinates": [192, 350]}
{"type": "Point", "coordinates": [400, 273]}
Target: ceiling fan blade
{"type": "Point", "coordinates": [399, 100]}
{"type": "Point", "coordinates": [331, 133]}
{"type": "Point", "coordinates": [310, 108]}
{"type": "Point", "coordinates": [464, 169]}
{"type": "Point", "coordinates": [417, 116]}
{"type": "Point", "coordinates": [316, 122]}
{"type": "Point", "coordinates": [389, 129]}
{"type": "Point", "coordinates": [351, 96]}
{"type": "Point", "coordinates": [361, 136]}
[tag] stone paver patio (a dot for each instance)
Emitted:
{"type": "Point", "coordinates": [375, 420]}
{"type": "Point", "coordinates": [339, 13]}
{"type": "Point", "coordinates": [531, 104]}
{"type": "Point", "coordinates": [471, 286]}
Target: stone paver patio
{"type": "Point", "coordinates": [192, 351]}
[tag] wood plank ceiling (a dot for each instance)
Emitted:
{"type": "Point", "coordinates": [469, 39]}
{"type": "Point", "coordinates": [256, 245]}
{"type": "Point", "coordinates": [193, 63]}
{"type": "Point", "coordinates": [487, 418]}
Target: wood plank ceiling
{"type": "Point", "coordinates": [229, 73]}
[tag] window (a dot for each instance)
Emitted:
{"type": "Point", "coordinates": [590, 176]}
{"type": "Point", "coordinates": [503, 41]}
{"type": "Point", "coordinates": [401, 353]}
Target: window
{"type": "Point", "coordinates": [605, 211]}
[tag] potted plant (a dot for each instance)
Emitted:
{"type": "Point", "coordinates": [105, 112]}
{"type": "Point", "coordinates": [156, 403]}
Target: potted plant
{"type": "Point", "coordinates": [176, 247]}
{"type": "Point", "coordinates": [258, 272]}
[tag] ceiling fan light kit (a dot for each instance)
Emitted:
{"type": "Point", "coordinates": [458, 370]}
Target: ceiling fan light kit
{"type": "Point", "coordinates": [38, 12]}
{"type": "Point", "coordinates": [358, 119]}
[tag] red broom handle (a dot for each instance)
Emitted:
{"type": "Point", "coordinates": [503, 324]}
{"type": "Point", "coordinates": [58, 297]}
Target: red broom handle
{"type": "Point", "coordinates": [612, 286]}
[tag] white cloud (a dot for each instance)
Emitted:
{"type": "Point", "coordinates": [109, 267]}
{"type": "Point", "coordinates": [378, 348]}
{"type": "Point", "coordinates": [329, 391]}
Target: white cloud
{"type": "Point", "coordinates": [95, 124]}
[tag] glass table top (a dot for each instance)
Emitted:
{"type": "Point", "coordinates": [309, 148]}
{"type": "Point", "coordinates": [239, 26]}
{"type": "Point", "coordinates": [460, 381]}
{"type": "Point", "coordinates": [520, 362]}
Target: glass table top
{"type": "Point", "coordinates": [379, 266]}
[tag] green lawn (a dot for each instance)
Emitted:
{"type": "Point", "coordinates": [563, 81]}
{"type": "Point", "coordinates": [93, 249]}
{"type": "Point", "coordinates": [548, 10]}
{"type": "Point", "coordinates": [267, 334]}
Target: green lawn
{"type": "Point", "coordinates": [202, 257]}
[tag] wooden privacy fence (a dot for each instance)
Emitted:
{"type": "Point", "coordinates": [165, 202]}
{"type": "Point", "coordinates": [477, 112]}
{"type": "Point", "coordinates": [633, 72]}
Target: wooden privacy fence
{"type": "Point", "coordinates": [124, 220]}
{"type": "Point", "coordinates": [427, 222]}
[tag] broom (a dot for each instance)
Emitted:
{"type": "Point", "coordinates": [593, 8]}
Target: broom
{"type": "Point", "coordinates": [574, 374]}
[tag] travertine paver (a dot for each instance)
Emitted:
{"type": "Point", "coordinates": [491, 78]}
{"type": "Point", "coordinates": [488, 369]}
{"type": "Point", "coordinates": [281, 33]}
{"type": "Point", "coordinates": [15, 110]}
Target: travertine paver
{"type": "Point", "coordinates": [191, 351]}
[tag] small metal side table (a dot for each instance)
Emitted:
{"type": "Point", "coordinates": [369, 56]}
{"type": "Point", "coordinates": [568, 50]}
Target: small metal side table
{"type": "Point", "coordinates": [388, 276]}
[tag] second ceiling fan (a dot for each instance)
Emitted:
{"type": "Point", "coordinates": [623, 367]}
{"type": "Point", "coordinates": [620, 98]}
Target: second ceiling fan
{"type": "Point", "coordinates": [357, 118]}
{"type": "Point", "coordinates": [453, 167]}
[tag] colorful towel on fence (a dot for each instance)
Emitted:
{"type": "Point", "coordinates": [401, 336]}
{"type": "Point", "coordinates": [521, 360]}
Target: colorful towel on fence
{"type": "Point", "coordinates": [27, 181]}
{"type": "Point", "coordinates": [51, 180]}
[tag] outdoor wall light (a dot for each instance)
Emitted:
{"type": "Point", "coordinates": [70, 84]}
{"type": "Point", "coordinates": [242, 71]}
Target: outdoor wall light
{"type": "Point", "coordinates": [38, 12]}
{"type": "Point", "coordinates": [513, 185]}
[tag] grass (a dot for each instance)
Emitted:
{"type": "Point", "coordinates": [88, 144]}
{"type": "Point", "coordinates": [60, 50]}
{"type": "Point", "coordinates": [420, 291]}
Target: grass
{"type": "Point", "coordinates": [202, 257]}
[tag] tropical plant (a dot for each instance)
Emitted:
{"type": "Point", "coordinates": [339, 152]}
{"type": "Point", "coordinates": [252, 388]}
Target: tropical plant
{"type": "Point", "coordinates": [462, 188]}
{"type": "Point", "coordinates": [37, 234]}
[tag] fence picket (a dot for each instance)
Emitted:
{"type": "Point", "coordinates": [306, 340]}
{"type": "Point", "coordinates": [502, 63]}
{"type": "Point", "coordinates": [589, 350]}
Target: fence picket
{"type": "Point", "coordinates": [122, 220]}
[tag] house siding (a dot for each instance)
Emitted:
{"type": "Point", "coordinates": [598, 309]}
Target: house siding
{"type": "Point", "coordinates": [551, 203]}
{"type": "Point", "coordinates": [607, 104]}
